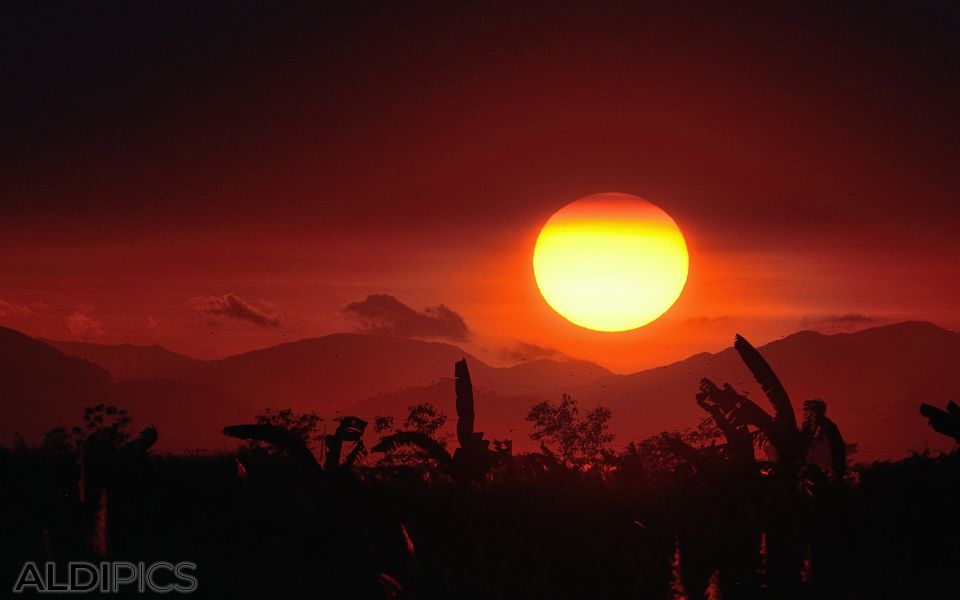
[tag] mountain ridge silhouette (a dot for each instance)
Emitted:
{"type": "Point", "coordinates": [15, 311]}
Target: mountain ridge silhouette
{"type": "Point", "coordinates": [872, 380]}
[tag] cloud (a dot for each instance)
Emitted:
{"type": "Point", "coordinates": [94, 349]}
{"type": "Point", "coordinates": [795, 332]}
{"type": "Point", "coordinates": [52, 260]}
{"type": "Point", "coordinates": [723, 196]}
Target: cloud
{"type": "Point", "coordinates": [523, 351]}
{"type": "Point", "coordinates": [384, 314]}
{"type": "Point", "coordinates": [84, 326]}
{"type": "Point", "coordinates": [840, 323]}
{"type": "Point", "coordinates": [705, 321]}
{"type": "Point", "coordinates": [9, 309]}
{"type": "Point", "coordinates": [234, 307]}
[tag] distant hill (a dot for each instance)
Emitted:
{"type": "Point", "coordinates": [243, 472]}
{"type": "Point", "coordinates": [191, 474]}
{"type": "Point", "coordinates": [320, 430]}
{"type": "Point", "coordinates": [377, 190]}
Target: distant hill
{"type": "Point", "coordinates": [872, 380]}
{"type": "Point", "coordinates": [127, 361]}
{"type": "Point", "coordinates": [331, 371]}
{"type": "Point", "coordinates": [191, 400]}
{"type": "Point", "coordinates": [39, 384]}
{"type": "Point", "coordinates": [335, 371]}
{"type": "Point", "coordinates": [538, 376]}
{"type": "Point", "coordinates": [42, 388]}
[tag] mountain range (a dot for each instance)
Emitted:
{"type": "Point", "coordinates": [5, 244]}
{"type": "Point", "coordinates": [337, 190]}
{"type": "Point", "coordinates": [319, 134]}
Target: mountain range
{"type": "Point", "coordinates": [873, 382]}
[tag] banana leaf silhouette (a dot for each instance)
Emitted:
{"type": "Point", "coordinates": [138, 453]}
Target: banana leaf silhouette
{"type": "Point", "coordinates": [416, 439]}
{"type": "Point", "coordinates": [768, 380]}
{"type": "Point", "coordinates": [474, 458]}
{"type": "Point", "coordinates": [671, 442]}
{"type": "Point", "coordinates": [816, 422]}
{"type": "Point", "coordinates": [783, 432]}
{"type": "Point", "coordinates": [946, 422]}
{"type": "Point", "coordinates": [350, 430]}
{"type": "Point", "coordinates": [295, 447]}
{"type": "Point", "coordinates": [737, 409]}
{"type": "Point", "coordinates": [734, 414]}
{"type": "Point", "coordinates": [139, 446]}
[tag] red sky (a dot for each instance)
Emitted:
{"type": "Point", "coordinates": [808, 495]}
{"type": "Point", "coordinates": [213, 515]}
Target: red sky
{"type": "Point", "coordinates": [301, 160]}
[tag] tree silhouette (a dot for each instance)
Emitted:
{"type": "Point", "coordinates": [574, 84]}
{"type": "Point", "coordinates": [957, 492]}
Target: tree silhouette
{"type": "Point", "coordinates": [428, 420]}
{"type": "Point", "coordinates": [105, 458]}
{"type": "Point", "coordinates": [579, 440]}
{"type": "Point", "coordinates": [104, 421]}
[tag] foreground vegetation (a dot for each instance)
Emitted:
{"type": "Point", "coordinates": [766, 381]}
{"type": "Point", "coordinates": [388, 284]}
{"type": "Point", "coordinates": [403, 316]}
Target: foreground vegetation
{"type": "Point", "coordinates": [747, 504]}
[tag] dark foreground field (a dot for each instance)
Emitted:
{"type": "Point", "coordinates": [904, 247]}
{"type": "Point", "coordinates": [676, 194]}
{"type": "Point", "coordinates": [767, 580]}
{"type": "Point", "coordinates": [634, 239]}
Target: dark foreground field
{"type": "Point", "coordinates": [525, 531]}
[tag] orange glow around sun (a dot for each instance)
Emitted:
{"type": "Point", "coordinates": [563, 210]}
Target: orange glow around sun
{"type": "Point", "coordinates": [610, 262]}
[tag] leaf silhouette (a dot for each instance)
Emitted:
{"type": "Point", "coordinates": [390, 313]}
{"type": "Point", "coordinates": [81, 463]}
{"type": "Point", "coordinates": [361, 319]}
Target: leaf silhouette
{"type": "Point", "coordinates": [278, 436]}
{"type": "Point", "coordinates": [419, 440]}
{"type": "Point", "coordinates": [768, 380]}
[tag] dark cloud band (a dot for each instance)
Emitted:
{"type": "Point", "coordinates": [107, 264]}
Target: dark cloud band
{"type": "Point", "coordinates": [384, 314]}
{"type": "Point", "coordinates": [234, 307]}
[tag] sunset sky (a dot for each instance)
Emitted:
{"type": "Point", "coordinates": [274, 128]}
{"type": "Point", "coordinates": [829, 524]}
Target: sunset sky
{"type": "Point", "coordinates": [220, 179]}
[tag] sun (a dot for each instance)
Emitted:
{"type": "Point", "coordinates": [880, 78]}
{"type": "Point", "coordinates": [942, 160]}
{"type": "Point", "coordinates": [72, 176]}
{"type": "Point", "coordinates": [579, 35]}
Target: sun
{"type": "Point", "coordinates": [610, 262]}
